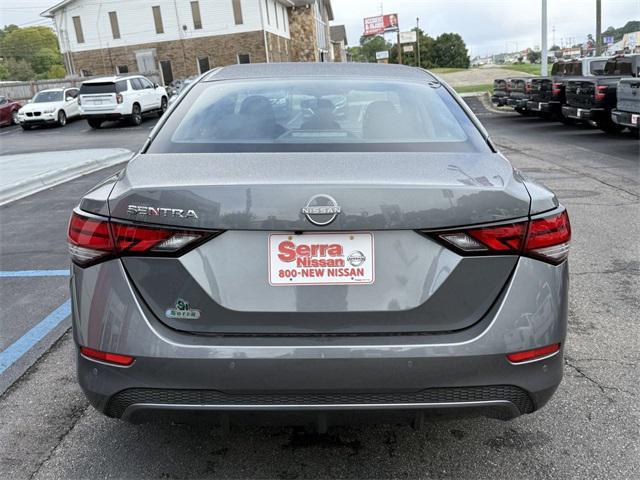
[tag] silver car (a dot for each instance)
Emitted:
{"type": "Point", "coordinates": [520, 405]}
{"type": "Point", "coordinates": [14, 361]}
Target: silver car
{"type": "Point", "coordinates": [315, 239]}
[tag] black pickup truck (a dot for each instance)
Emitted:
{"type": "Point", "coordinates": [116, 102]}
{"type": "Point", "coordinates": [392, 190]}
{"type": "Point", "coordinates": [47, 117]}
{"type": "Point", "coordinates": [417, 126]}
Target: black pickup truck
{"type": "Point", "coordinates": [519, 91]}
{"type": "Point", "coordinates": [594, 98]}
{"type": "Point", "coordinates": [500, 91]}
{"type": "Point", "coordinates": [548, 93]}
{"type": "Point", "coordinates": [627, 112]}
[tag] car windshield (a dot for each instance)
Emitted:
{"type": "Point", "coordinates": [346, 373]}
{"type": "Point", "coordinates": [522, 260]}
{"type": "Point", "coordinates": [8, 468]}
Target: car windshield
{"type": "Point", "coordinates": [44, 97]}
{"type": "Point", "coordinates": [304, 114]}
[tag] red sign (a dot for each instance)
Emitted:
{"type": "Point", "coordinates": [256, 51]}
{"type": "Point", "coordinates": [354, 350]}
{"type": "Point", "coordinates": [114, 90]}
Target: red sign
{"type": "Point", "coordinates": [380, 24]}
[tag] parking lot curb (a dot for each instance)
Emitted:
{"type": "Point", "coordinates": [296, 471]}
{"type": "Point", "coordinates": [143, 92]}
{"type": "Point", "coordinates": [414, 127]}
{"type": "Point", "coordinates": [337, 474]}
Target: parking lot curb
{"type": "Point", "coordinates": [486, 103]}
{"type": "Point", "coordinates": [15, 191]}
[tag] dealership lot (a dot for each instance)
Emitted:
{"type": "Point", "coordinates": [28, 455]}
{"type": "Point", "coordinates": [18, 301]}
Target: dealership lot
{"type": "Point", "coordinates": [589, 429]}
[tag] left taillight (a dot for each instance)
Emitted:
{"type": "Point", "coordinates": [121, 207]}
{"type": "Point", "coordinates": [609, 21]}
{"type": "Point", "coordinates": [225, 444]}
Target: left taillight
{"type": "Point", "coordinates": [94, 239]}
{"type": "Point", "coordinates": [119, 98]}
{"type": "Point", "coordinates": [546, 238]}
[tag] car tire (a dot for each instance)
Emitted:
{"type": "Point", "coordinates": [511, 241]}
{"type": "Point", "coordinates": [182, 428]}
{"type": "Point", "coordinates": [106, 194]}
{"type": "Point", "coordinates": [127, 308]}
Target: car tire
{"type": "Point", "coordinates": [136, 116]}
{"type": "Point", "coordinates": [522, 111]}
{"type": "Point", "coordinates": [14, 117]}
{"type": "Point", "coordinates": [164, 104]}
{"type": "Point", "coordinates": [62, 119]}
{"type": "Point", "coordinates": [93, 123]}
{"type": "Point", "coordinates": [609, 126]}
{"type": "Point", "coordinates": [25, 126]}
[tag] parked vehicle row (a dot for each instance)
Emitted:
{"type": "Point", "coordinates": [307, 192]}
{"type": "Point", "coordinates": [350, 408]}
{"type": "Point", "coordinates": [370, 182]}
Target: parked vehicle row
{"type": "Point", "coordinates": [599, 90]}
{"type": "Point", "coordinates": [97, 100]}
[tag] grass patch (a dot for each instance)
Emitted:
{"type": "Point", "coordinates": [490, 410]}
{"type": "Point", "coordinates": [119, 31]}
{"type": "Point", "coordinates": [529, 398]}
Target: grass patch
{"type": "Point", "coordinates": [447, 70]}
{"type": "Point", "coordinates": [484, 87]}
{"type": "Point", "coordinates": [532, 68]}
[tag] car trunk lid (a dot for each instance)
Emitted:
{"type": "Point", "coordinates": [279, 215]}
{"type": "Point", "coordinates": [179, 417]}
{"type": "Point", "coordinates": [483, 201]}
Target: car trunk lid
{"type": "Point", "coordinates": [421, 284]}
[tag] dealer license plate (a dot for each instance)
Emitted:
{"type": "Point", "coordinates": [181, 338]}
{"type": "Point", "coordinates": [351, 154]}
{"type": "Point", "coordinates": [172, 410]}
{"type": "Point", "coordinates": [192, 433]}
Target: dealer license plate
{"type": "Point", "coordinates": [321, 259]}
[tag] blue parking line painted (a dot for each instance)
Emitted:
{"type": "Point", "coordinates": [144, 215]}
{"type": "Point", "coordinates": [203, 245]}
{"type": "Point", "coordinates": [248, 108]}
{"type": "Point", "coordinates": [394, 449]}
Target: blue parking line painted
{"type": "Point", "coordinates": [35, 273]}
{"type": "Point", "coordinates": [25, 343]}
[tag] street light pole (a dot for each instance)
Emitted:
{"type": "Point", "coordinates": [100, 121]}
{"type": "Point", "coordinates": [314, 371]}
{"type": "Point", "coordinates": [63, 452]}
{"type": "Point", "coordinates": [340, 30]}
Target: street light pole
{"type": "Point", "coordinates": [598, 27]}
{"type": "Point", "coordinates": [418, 40]}
{"type": "Point", "coordinates": [544, 71]}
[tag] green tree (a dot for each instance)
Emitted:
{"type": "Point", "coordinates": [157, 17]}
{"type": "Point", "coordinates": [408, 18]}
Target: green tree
{"type": "Point", "coordinates": [20, 70]}
{"type": "Point", "coordinates": [533, 56]}
{"type": "Point", "coordinates": [56, 71]}
{"type": "Point", "coordinates": [37, 46]}
{"type": "Point", "coordinates": [449, 50]}
{"type": "Point", "coordinates": [366, 52]}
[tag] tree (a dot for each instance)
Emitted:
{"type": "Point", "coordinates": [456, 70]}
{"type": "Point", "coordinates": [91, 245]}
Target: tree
{"type": "Point", "coordinates": [449, 50]}
{"type": "Point", "coordinates": [37, 46]}
{"type": "Point", "coordinates": [533, 56]}
{"type": "Point", "coordinates": [366, 52]}
{"type": "Point", "coordinates": [56, 71]}
{"type": "Point", "coordinates": [19, 70]}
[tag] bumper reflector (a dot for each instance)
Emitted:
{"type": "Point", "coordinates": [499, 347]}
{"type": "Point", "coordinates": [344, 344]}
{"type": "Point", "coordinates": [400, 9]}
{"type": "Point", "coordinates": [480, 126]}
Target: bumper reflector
{"type": "Point", "coordinates": [535, 354]}
{"type": "Point", "coordinates": [123, 360]}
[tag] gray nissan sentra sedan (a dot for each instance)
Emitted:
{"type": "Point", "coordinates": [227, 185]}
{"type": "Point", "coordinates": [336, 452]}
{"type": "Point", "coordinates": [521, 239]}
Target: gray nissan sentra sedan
{"type": "Point", "coordinates": [312, 239]}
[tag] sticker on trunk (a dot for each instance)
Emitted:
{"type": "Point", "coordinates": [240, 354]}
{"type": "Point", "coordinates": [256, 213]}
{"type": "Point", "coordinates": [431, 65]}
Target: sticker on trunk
{"type": "Point", "coordinates": [321, 259]}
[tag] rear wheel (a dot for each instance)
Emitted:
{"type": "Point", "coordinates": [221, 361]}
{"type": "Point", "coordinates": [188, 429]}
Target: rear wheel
{"type": "Point", "coordinates": [136, 115]}
{"type": "Point", "coordinates": [14, 117]}
{"type": "Point", "coordinates": [607, 125]}
{"type": "Point", "coordinates": [163, 106]}
{"type": "Point", "coordinates": [521, 111]}
{"type": "Point", "coordinates": [93, 123]}
{"type": "Point", "coordinates": [62, 118]}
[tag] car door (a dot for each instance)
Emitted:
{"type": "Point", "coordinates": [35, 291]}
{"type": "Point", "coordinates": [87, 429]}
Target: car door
{"type": "Point", "coordinates": [71, 106]}
{"type": "Point", "coordinates": [137, 93]}
{"type": "Point", "coordinates": [5, 111]}
{"type": "Point", "coordinates": [152, 98]}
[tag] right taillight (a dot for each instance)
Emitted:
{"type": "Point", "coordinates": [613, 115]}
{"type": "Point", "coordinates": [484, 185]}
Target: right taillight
{"type": "Point", "coordinates": [119, 98]}
{"type": "Point", "coordinates": [545, 238]}
{"type": "Point", "coordinates": [556, 89]}
{"type": "Point", "coordinates": [94, 239]}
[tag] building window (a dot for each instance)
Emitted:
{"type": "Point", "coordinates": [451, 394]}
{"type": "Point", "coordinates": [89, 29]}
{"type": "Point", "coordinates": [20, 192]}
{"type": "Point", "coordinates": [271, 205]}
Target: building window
{"type": "Point", "coordinates": [86, 73]}
{"type": "Point", "coordinates": [237, 11]}
{"type": "Point", "coordinates": [275, 10]}
{"type": "Point", "coordinates": [244, 58]}
{"type": "Point", "coordinates": [122, 69]}
{"type": "Point", "coordinates": [266, 6]}
{"type": "Point", "coordinates": [203, 64]}
{"type": "Point", "coordinates": [195, 13]}
{"type": "Point", "coordinates": [157, 18]}
{"type": "Point", "coordinates": [78, 26]}
{"type": "Point", "coordinates": [167, 72]}
{"type": "Point", "coordinates": [284, 19]}
{"type": "Point", "coordinates": [115, 27]}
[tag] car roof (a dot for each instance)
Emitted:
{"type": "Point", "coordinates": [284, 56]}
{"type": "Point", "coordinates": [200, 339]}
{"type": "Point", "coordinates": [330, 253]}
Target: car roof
{"type": "Point", "coordinates": [113, 78]}
{"type": "Point", "coordinates": [60, 89]}
{"type": "Point", "coordinates": [318, 69]}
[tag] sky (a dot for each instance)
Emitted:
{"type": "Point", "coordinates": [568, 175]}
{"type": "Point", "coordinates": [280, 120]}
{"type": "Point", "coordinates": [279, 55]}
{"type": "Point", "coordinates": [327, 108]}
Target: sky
{"type": "Point", "coordinates": [487, 26]}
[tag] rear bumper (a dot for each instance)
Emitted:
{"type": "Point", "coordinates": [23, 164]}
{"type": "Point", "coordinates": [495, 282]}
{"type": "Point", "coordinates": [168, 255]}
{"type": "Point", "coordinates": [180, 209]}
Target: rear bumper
{"type": "Point", "coordinates": [626, 118]}
{"type": "Point", "coordinates": [517, 102]}
{"type": "Point", "coordinates": [550, 107]}
{"type": "Point", "coordinates": [582, 113]}
{"type": "Point", "coordinates": [499, 100]}
{"type": "Point", "coordinates": [176, 372]}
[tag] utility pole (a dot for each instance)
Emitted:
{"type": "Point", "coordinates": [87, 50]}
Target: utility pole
{"type": "Point", "coordinates": [418, 41]}
{"type": "Point", "coordinates": [598, 27]}
{"type": "Point", "coordinates": [544, 71]}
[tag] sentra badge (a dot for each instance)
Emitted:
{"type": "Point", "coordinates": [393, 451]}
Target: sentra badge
{"type": "Point", "coordinates": [182, 311]}
{"type": "Point", "coordinates": [161, 212]}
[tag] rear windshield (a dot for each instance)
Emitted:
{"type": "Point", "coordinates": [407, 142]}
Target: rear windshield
{"type": "Point", "coordinates": [597, 67]}
{"type": "Point", "coordinates": [305, 114]}
{"type": "Point", "coordinates": [106, 87]}
{"type": "Point", "coordinates": [44, 97]}
{"type": "Point", "coordinates": [619, 66]}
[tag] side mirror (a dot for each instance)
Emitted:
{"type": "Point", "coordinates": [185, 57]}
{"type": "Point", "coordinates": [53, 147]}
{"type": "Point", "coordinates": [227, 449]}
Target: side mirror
{"type": "Point", "coordinates": [69, 99]}
{"type": "Point", "coordinates": [30, 101]}
{"type": "Point", "coordinates": [155, 85]}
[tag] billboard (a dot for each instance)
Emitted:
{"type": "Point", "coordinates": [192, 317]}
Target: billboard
{"type": "Point", "coordinates": [408, 37]}
{"type": "Point", "coordinates": [380, 24]}
{"type": "Point", "coordinates": [608, 40]}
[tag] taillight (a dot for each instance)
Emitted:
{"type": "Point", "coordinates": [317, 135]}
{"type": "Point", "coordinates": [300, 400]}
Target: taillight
{"type": "Point", "coordinates": [79, 100]}
{"type": "Point", "coordinates": [527, 87]}
{"type": "Point", "coordinates": [545, 238]}
{"type": "Point", "coordinates": [556, 89]}
{"type": "Point", "coordinates": [93, 239]}
{"type": "Point", "coordinates": [600, 93]}
{"type": "Point", "coordinates": [119, 98]}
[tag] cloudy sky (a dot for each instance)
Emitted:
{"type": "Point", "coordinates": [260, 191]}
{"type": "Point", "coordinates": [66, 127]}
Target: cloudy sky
{"type": "Point", "coordinates": [487, 26]}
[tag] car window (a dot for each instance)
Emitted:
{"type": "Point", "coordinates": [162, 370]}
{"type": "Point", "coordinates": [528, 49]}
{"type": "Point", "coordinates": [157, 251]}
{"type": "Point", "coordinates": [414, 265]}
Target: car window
{"type": "Point", "coordinates": [307, 114]}
{"type": "Point", "coordinates": [72, 92]}
{"type": "Point", "coordinates": [619, 66]}
{"type": "Point", "coordinates": [44, 97]}
{"type": "Point", "coordinates": [97, 88]}
{"type": "Point", "coordinates": [136, 84]}
{"type": "Point", "coordinates": [121, 86]}
{"type": "Point", "coordinates": [146, 83]}
{"type": "Point", "coordinates": [3, 100]}
{"type": "Point", "coordinates": [597, 67]}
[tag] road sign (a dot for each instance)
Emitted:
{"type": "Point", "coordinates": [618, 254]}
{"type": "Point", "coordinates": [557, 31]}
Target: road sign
{"type": "Point", "coordinates": [408, 37]}
{"type": "Point", "coordinates": [407, 48]}
{"type": "Point", "coordinates": [608, 40]}
{"type": "Point", "coordinates": [383, 55]}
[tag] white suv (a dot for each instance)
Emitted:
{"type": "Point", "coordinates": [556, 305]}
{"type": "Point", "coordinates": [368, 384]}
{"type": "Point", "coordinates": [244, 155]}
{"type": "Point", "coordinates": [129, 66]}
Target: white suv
{"type": "Point", "coordinates": [114, 98]}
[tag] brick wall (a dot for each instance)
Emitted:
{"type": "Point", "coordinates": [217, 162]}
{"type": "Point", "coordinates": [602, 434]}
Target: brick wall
{"type": "Point", "coordinates": [279, 48]}
{"type": "Point", "coordinates": [302, 29]}
{"type": "Point", "coordinates": [183, 55]}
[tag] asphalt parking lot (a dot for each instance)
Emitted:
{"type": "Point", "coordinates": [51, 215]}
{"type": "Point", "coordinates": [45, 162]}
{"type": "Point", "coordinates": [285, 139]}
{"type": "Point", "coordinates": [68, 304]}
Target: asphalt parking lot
{"type": "Point", "coordinates": [588, 430]}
